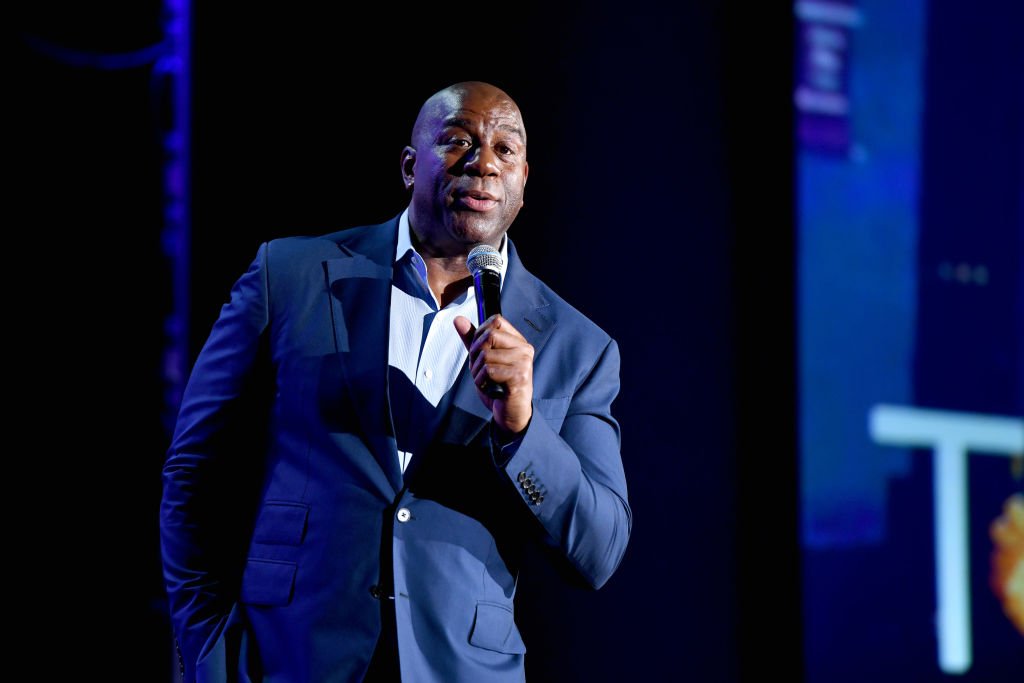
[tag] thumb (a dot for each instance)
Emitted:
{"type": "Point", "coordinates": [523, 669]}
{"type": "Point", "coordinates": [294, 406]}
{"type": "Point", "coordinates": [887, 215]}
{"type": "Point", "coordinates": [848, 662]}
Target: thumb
{"type": "Point", "coordinates": [465, 330]}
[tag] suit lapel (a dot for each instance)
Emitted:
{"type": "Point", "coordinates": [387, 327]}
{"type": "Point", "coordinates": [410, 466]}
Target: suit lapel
{"type": "Point", "coordinates": [359, 286]}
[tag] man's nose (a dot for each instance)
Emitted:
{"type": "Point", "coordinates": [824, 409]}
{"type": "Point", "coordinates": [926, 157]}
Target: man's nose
{"type": "Point", "coordinates": [481, 161]}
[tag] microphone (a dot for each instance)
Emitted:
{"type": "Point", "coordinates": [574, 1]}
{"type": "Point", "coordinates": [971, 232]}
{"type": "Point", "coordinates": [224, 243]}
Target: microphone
{"type": "Point", "coordinates": [484, 262]}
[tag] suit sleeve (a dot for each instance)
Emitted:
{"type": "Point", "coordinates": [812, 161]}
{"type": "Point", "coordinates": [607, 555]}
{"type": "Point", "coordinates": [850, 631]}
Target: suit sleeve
{"type": "Point", "coordinates": [200, 580]}
{"type": "Point", "coordinates": [573, 480]}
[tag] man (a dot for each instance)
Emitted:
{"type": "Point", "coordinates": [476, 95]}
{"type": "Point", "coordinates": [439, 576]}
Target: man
{"type": "Point", "coordinates": [395, 495]}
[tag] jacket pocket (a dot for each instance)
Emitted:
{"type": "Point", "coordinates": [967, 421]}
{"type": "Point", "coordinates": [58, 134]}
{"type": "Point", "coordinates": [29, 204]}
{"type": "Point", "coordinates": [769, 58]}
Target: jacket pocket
{"type": "Point", "coordinates": [494, 628]}
{"type": "Point", "coordinates": [267, 582]}
{"type": "Point", "coordinates": [281, 523]}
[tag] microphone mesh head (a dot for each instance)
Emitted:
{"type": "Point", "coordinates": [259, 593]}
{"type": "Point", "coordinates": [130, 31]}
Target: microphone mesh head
{"type": "Point", "coordinates": [483, 257]}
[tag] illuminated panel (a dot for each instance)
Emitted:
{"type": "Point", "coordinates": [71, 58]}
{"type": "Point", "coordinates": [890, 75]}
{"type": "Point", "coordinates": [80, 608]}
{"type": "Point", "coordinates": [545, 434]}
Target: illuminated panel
{"type": "Point", "coordinates": [951, 436]}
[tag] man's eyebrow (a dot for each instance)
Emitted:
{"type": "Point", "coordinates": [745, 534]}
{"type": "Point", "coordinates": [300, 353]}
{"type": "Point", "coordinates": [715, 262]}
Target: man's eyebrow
{"type": "Point", "coordinates": [456, 122]}
{"type": "Point", "coordinates": [512, 129]}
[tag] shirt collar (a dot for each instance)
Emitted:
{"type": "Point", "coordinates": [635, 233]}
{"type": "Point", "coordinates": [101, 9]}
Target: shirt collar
{"type": "Point", "coordinates": [404, 246]}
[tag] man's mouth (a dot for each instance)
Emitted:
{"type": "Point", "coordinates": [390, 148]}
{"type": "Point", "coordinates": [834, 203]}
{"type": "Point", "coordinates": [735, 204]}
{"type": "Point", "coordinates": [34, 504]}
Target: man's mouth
{"type": "Point", "coordinates": [476, 201]}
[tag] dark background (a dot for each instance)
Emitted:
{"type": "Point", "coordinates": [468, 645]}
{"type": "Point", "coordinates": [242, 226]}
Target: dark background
{"type": "Point", "coordinates": [660, 203]}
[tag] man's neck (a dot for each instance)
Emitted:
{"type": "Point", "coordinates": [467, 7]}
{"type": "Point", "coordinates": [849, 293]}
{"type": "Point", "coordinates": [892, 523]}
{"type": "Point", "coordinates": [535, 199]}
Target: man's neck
{"type": "Point", "coordinates": [447, 277]}
{"type": "Point", "coordinates": [447, 274]}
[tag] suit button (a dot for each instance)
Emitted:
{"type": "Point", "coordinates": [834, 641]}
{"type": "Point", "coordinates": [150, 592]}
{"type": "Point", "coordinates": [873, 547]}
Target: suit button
{"type": "Point", "coordinates": [404, 515]}
{"type": "Point", "coordinates": [376, 591]}
{"type": "Point", "coordinates": [522, 476]}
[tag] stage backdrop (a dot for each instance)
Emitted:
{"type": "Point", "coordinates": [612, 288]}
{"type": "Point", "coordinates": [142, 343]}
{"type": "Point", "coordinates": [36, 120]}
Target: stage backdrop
{"type": "Point", "coordinates": [659, 203]}
{"type": "Point", "coordinates": [911, 339]}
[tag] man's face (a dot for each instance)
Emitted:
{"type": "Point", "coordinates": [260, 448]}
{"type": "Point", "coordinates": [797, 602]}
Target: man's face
{"type": "Point", "coordinates": [467, 169]}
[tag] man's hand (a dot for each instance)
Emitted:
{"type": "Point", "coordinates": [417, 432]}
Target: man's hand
{"type": "Point", "coordinates": [498, 351]}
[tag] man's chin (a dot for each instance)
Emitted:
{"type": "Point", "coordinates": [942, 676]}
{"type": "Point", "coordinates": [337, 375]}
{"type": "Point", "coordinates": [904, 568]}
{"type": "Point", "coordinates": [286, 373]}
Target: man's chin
{"type": "Point", "coordinates": [472, 229]}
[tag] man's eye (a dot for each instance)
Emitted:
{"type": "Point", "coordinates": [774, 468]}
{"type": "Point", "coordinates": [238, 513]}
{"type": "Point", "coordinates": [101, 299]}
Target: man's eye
{"type": "Point", "coordinates": [505, 149]}
{"type": "Point", "coordinates": [459, 142]}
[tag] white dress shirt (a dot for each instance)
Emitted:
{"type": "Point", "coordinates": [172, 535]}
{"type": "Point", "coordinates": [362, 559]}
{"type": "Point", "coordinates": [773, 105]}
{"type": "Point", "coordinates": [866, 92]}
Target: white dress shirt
{"type": "Point", "coordinates": [422, 341]}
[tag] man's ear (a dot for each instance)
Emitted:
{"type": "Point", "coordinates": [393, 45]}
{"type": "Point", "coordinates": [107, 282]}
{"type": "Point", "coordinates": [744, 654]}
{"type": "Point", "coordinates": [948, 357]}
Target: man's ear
{"type": "Point", "coordinates": [408, 166]}
{"type": "Point", "coordinates": [526, 173]}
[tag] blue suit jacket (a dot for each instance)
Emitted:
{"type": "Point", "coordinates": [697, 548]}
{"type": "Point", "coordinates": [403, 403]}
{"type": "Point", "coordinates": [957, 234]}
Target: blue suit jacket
{"type": "Point", "coordinates": [301, 605]}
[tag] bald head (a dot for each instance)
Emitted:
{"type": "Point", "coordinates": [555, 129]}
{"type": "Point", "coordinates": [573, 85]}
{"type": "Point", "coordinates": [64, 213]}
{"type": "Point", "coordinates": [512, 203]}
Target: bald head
{"type": "Point", "coordinates": [465, 167]}
{"type": "Point", "coordinates": [454, 97]}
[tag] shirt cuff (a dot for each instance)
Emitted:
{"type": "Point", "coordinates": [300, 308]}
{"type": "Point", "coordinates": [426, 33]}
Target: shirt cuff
{"type": "Point", "coordinates": [503, 450]}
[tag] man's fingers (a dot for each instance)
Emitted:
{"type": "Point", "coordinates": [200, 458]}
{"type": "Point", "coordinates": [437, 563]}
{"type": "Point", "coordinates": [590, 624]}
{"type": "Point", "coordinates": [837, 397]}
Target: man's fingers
{"type": "Point", "coordinates": [502, 323]}
{"type": "Point", "coordinates": [465, 330]}
{"type": "Point", "coordinates": [511, 375]}
{"type": "Point", "coordinates": [496, 356]}
{"type": "Point", "coordinates": [504, 337]}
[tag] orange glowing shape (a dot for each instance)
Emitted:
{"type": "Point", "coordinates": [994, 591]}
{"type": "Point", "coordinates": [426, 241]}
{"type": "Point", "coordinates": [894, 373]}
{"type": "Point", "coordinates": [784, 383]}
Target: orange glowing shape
{"type": "Point", "coordinates": [1007, 532]}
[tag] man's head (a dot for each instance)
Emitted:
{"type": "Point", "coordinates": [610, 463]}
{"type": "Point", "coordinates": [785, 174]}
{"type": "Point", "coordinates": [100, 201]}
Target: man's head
{"type": "Point", "coordinates": [466, 167]}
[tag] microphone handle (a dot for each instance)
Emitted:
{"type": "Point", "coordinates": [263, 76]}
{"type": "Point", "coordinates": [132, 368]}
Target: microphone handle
{"type": "Point", "coordinates": [487, 285]}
